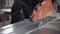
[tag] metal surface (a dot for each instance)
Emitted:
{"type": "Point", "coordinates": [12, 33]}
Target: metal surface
{"type": "Point", "coordinates": [19, 28]}
{"type": "Point", "coordinates": [53, 21]}
{"type": "Point", "coordinates": [52, 28]}
{"type": "Point", "coordinates": [28, 27]}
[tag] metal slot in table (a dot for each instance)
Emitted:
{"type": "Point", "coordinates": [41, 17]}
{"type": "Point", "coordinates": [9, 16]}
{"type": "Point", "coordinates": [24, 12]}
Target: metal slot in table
{"type": "Point", "coordinates": [52, 28]}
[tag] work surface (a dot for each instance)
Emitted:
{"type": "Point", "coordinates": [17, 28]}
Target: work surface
{"type": "Point", "coordinates": [19, 28]}
{"type": "Point", "coordinates": [28, 27]}
{"type": "Point", "coordinates": [25, 26]}
{"type": "Point", "coordinates": [52, 28]}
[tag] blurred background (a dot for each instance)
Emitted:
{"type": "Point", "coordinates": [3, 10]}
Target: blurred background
{"type": "Point", "coordinates": [5, 12]}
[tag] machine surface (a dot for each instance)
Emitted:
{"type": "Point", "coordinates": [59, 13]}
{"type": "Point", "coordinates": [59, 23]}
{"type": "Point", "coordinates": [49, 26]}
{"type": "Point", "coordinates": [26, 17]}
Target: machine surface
{"type": "Point", "coordinates": [28, 27]}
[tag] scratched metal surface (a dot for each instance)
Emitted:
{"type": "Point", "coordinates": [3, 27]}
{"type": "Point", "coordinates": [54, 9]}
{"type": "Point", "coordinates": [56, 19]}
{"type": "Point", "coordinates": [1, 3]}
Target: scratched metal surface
{"type": "Point", "coordinates": [52, 28]}
{"type": "Point", "coordinates": [19, 28]}
{"type": "Point", "coordinates": [22, 27]}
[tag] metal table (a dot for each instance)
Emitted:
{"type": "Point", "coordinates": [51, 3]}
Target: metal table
{"type": "Point", "coordinates": [19, 28]}
{"type": "Point", "coordinates": [52, 28]}
{"type": "Point", "coordinates": [28, 27]}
